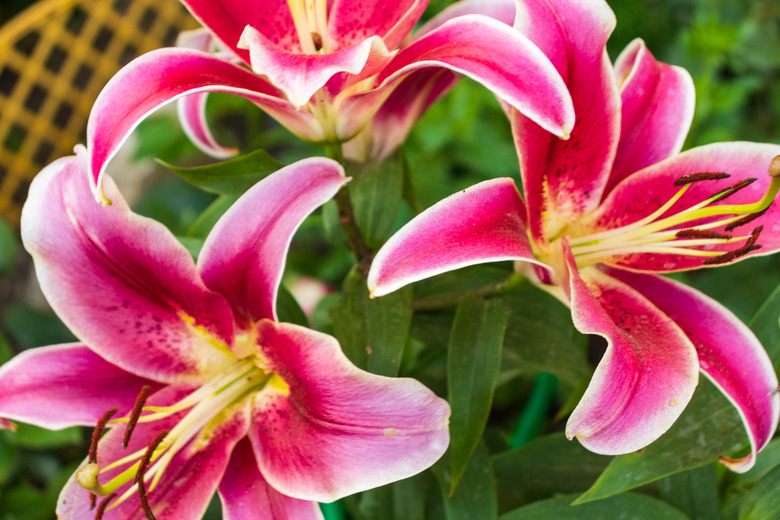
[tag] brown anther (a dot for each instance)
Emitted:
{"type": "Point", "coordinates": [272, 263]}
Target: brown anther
{"type": "Point", "coordinates": [731, 255]}
{"type": "Point", "coordinates": [135, 414]}
{"type": "Point", "coordinates": [139, 475]}
{"type": "Point", "coordinates": [98, 432]}
{"type": "Point", "coordinates": [701, 233]}
{"type": "Point", "coordinates": [731, 190]}
{"type": "Point", "coordinates": [701, 176]}
{"type": "Point", "coordinates": [754, 236]}
{"type": "Point", "coordinates": [745, 220]}
{"type": "Point", "coordinates": [316, 38]}
{"type": "Point", "coordinates": [92, 501]}
{"type": "Point", "coordinates": [103, 504]}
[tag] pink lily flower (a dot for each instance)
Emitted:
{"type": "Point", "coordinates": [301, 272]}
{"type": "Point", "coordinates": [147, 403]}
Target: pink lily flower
{"type": "Point", "coordinates": [605, 211]}
{"type": "Point", "coordinates": [224, 398]}
{"type": "Point", "coordinates": [324, 69]}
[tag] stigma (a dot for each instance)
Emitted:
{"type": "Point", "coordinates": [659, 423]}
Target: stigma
{"type": "Point", "coordinates": [691, 230]}
{"type": "Point", "coordinates": [199, 411]}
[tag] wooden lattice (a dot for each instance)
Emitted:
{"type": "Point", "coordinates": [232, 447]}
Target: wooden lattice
{"type": "Point", "coordinates": [54, 59]}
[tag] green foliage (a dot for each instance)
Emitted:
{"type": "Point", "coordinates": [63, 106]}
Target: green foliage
{"type": "Point", "coordinates": [372, 332]}
{"type": "Point", "coordinates": [623, 507]}
{"type": "Point", "coordinates": [472, 370]}
{"type": "Point", "coordinates": [231, 177]}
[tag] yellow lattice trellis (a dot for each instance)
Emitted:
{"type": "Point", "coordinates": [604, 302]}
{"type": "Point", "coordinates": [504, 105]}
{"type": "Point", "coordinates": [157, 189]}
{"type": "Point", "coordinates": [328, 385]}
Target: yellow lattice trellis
{"type": "Point", "coordinates": [54, 59]}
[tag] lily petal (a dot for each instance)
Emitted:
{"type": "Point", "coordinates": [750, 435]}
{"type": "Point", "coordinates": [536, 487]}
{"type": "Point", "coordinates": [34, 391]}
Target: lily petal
{"type": "Point", "coordinates": [483, 223]}
{"type": "Point", "coordinates": [729, 355]}
{"type": "Point", "coordinates": [656, 111]}
{"type": "Point", "coordinates": [647, 375]}
{"type": "Point", "coordinates": [227, 21]}
{"type": "Point", "coordinates": [565, 179]}
{"type": "Point", "coordinates": [243, 257]}
{"type": "Point", "coordinates": [65, 385]}
{"type": "Point", "coordinates": [299, 75]}
{"type": "Point", "coordinates": [485, 46]}
{"type": "Point", "coordinates": [644, 192]}
{"type": "Point", "coordinates": [502, 10]}
{"type": "Point", "coordinates": [352, 21]}
{"type": "Point", "coordinates": [328, 429]}
{"type": "Point", "coordinates": [187, 484]}
{"type": "Point", "coordinates": [136, 297]}
{"type": "Point", "coordinates": [246, 495]}
{"type": "Point", "coordinates": [192, 108]}
{"type": "Point", "coordinates": [163, 75]}
{"type": "Point", "coordinates": [388, 128]}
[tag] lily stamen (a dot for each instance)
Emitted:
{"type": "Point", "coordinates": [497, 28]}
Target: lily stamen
{"type": "Point", "coordinates": [135, 414]}
{"type": "Point", "coordinates": [139, 476]}
{"type": "Point", "coordinates": [102, 507]}
{"type": "Point", "coordinates": [147, 465]}
{"type": "Point", "coordinates": [649, 235]}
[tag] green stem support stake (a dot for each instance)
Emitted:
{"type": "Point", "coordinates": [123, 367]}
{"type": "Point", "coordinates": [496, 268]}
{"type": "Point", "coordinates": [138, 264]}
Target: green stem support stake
{"type": "Point", "coordinates": [536, 410]}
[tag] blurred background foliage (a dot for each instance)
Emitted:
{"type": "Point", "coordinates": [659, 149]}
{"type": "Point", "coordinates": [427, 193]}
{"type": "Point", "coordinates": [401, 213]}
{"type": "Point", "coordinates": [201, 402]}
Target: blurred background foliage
{"type": "Point", "coordinates": [732, 50]}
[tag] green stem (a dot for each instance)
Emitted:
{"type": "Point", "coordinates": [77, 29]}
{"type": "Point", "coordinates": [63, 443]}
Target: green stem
{"type": "Point", "coordinates": [443, 301]}
{"type": "Point", "coordinates": [347, 216]}
{"type": "Point", "coordinates": [333, 511]}
{"type": "Point", "coordinates": [536, 410]}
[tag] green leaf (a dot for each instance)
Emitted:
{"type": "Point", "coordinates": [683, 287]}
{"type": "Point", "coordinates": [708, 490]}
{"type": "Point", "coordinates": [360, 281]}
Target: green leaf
{"type": "Point", "coordinates": [540, 337]}
{"type": "Point", "coordinates": [231, 177]}
{"type": "Point", "coordinates": [9, 456]}
{"type": "Point", "coordinates": [622, 507]}
{"type": "Point", "coordinates": [376, 190]}
{"type": "Point", "coordinates": [402, 500]}
{"type": "Point", "coordinates": [544, 467]}
{"type": "Point", "coordinates": [8, 248]}
{"type": "Point", "coordinates": [763, 501]}
{"type": "Point", "coordinates": [472, 370]}
{"type": "Point", "coordinates": [6, 350]}
{"type": "Point", "coordinates": [708, 428]}
{"type": "Point", "coordinates": [193, 245]}
{"type": "Point", "coordinates": [769, 459]}
{"type": "Point", "coordinates": [28, 436]}
{"type": "Point", "coordinates": [372, 332]}
{"type": "Point", "coordinates": [764, 324]}
{"type": "Point", "coordinates": [694, 492]}
{"type": "Point", "coordinates": [30, 327]}
{"type": "Point", "coordinates": [475, 497]}
{"type": "Point", "coordinates": [206, 220]}
{"type": "Point", "coordinates": [288, 309]}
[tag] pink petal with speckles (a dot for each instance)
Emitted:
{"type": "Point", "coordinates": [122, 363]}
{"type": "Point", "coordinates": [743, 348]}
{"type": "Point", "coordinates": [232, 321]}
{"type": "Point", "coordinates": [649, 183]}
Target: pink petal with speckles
{"type": "Point", "coordinates": [227, 21]}
{"type": "Point", "coordinates": [656, 110]}
{"type": "Point", "coordinates": [122, 283]}
{"type": "Point", "coordinates": [243, 257]}
{"type": "Point", "coordinates": [65, 385]}
{"type": "Point", "coordinates": [245, 494]}
{"type": "Point", "coordinates": [352, 21]}
{"type": "Point", "coordinates": [565, 179]}
{"type": "Point", "coordinates": [483, 223]}
{"type": "Point", "coordinates": [333, 429]}
{"type": "Point", "coordinates": [729, 354]}
{"type": "Point", "coordinates": [647, 375]}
